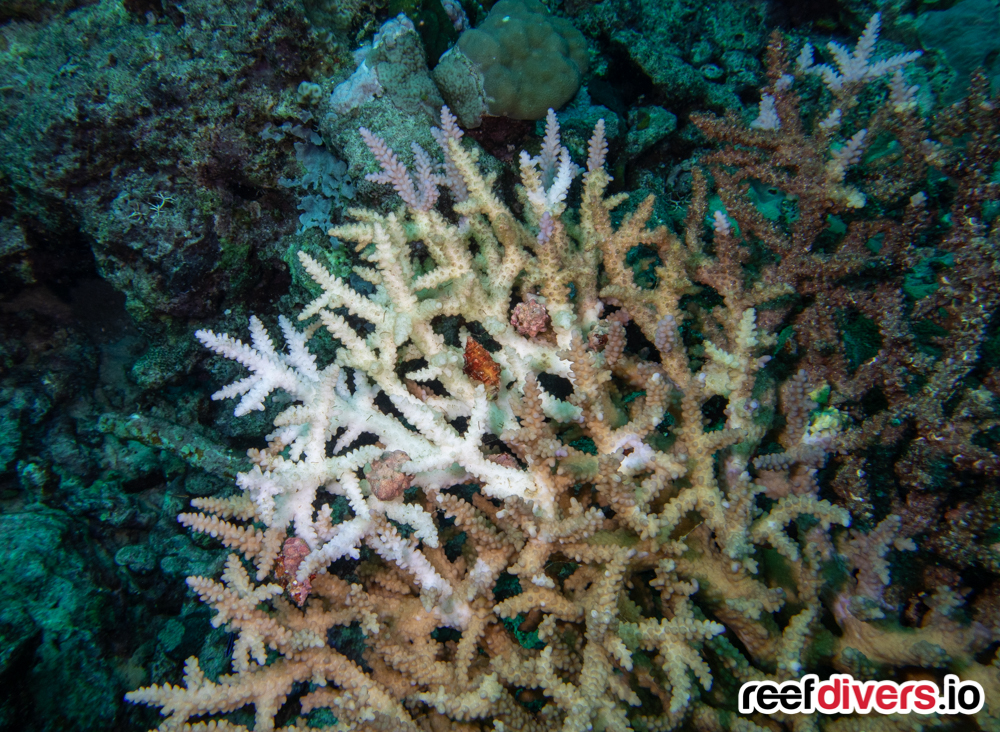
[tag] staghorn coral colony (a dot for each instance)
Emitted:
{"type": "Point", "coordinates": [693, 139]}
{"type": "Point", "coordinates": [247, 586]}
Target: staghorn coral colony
{"type": "Point", "coordinates": [599, 502]}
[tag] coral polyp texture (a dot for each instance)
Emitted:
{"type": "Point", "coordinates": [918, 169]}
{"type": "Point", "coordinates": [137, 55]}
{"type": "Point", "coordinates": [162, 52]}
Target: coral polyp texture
{"type": "Point", "coordinates": [584, 500]}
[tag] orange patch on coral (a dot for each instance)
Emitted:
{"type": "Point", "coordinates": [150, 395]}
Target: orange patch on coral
{"type": "Point", "coordinates": [480, 366]}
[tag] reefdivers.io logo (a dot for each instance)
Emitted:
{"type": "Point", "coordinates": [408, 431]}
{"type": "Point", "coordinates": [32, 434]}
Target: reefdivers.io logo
{"type": "Point", "coordinates": [841, 694]}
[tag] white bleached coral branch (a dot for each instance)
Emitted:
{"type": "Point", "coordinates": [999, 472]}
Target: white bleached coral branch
{"type": "Point", "coordinates": [855, 66]}
{"type": "Point", "coordinates": [295, 372]}
{"type": "Point", "coordinates": [548, 176]}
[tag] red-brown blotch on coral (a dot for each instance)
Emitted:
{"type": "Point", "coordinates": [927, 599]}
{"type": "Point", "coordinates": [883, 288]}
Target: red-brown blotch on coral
{"type": "Point", "coordinates": [480, 366]}
{"type": "Point", "coordinates": [293, 551]}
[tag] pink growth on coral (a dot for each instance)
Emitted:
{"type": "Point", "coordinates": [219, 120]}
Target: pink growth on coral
{"type": "Point", "coordinates": [504, 459]}
{"type": "Point", "coordinates": [293, 551]}
{"type": "Point", "coordinates": [385, 478]}
{"type": "Point", "coordinates": [529, 317]}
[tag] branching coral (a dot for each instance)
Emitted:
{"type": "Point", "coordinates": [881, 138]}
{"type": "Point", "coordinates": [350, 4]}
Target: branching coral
{"type": "Point", "coordinates": [556, 560]}
{"type": "Point", "coordinates": [859, 249]}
